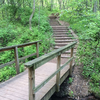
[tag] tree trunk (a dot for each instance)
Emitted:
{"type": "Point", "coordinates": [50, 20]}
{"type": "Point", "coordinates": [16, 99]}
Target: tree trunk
{"type": "Point", "coordinates": [30, 19]}
{"type": "Point", "coordinates": [86, 5]}
{"type": "Point", "coordinates": [99, 4]}
{"type": "Point", "coordinates": [42, 2]}
{"type": "Point", "coordinates": [59, 4]}
{"type": "Point", "coordinates": [51, 4]}
{"type": "Point", "coordinates": [95, 6]}
{"type": "Point", "coordinates": [63, 5]}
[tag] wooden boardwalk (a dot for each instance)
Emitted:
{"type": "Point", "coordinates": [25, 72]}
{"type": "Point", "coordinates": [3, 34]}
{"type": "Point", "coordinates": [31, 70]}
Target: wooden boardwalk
{"type": "Point", "coordinates": [46, 73]}
{"type": "Point", "coordinates": [17, 87]}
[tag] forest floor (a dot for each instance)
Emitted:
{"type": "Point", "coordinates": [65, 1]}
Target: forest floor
{"type": "Point", "coordinates": [78, 89]}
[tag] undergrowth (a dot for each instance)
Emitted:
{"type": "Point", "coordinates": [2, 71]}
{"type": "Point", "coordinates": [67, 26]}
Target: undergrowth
{"type": "Point", "coordinates": [86, 24]}
{"type": "Point", "coordinates": [15, 30]}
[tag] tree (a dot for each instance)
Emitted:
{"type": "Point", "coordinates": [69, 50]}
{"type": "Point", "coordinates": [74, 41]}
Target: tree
{"type": "Point", "coordinates": [95, 6]}
{"type": "Point", "coordinates": [59, 3]}
{"type": "Point", "coordinates": [51, 4]}
{"type": "Point", "coordinates": [30, 19]}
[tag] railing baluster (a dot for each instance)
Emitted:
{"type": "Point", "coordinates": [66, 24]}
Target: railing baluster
{"type": "Point", "coordinates": [70, 73]}
{"type": "Point", "coordinates": [37, 49]}
{"type": "Point", "coordinates": [31, 73]}
{"type": "Point", "coordinates": [58, 75]}
{"type": "Point", "coordinates": [16, 59]}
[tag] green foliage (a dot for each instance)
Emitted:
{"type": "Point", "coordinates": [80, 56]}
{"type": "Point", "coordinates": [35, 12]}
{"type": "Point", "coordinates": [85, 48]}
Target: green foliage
{"type": "Point", "coordinates": [87, 26]}
{"type": "Point", "coordinates": [15, 30]}
{"type": "Point", "coordinates": [70, 80]}
{"type": "Point", "coordinates": [71, 93]}
{"type": "Point", "coordinates": [6, 73]}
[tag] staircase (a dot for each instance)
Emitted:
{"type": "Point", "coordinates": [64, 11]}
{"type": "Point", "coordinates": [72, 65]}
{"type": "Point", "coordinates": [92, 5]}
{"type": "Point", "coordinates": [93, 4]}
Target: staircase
{"type": "Point", "coordinates": [62, 36]}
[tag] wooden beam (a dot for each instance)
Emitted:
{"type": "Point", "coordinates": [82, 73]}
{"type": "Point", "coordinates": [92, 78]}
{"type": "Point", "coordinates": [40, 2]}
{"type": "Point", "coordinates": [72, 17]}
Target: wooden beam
{"type": "Point", "coordinates": [50, 77]}
{"type": "Point", "coordinates": [31, 73]}
{"type": "Point", "coordinates": [47, 57]}
{"type": "Point", "coordinates": [58, 74]}
{"type": "Point", "coordinates": [16, 60]}
{"type": "Point", "coordinates": [21, 45]}
{"type": "Point", "coordinates": [53, 89]}
{"type": "Point", "coordinates": [11, 62]}
{"type": "Point", "coordinates": [70, 73]}
{"type": "Point", "coordinates": [37, 49]}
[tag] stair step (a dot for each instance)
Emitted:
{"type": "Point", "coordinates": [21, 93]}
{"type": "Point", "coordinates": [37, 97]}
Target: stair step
{"type": "Point", "coordinates": [66, 56]}
{"type": "Point", "coordinates": [63, 35]}
{"type": "Point", "coordinates": [60, 41]}
{"type": "Point", "coordinates": [60, 30]}
{"type": "Point", "coordinates": [57, 47]}
{"type": "Point", "coordinates": [59, 34]}
{"type": "Point", "coordinates": [59, 27]}
{"type": "Point", "coordinates": [61, 44]}
{"type": "Point", "coordinates": [68, 52]}
{"type": "Point", "coordinates": [63, 38]}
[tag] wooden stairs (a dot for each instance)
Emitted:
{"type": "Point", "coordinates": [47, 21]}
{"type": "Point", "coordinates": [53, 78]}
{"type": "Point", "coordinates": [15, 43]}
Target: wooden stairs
{"type": "Point", "coordinates": [63, 37]}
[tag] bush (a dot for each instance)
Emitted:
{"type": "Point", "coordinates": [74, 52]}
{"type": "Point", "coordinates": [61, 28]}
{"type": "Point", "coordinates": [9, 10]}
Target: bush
{"type": "Point", "coordinates": [17, 32]}
{"type": "Point", "coordinates": [87, 27]}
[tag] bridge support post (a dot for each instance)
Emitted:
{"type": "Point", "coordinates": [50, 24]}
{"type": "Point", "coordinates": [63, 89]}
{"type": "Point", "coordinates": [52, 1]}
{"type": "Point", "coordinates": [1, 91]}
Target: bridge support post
{"type": "Point", "coordinates": [70, 73]}
{"type": "Point", "coordinates": [37, 49]}
{"type": "Point", "coordinates": [16, 59]}
{"type": "Point", "coordinates": [31, 72]}
{"type": "Point", "coordinates": [58, 75]}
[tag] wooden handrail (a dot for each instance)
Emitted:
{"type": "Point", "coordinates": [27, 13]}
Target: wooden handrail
{"type": "Point", "coordinates": [47, 57]}
{"type": "Point", "coordinates": [15, 48]}
{"type": "Point", "coordinates": [34, 64]}
{"type": "Point", "coordinates": [20, 45]}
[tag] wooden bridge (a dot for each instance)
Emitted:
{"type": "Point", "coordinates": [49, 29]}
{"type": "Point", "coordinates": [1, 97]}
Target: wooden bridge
{"type": "Point", "coordinates": [44, 77]}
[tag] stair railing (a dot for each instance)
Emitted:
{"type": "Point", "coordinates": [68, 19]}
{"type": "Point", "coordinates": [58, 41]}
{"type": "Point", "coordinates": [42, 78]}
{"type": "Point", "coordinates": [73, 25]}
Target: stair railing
{"type": "Point", "coordinates": [17, 59]}
{"type": "Point", "coordinates": [36, 63]}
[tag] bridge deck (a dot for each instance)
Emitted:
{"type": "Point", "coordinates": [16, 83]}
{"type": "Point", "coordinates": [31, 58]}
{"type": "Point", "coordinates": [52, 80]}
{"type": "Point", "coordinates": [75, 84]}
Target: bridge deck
{"type": "Point", "coordinates": [16, 88]}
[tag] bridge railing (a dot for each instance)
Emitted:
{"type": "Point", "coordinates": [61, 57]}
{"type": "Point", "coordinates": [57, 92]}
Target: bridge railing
{"type": "Point", "coordinates": [17, 59]}
{"type": "Point", "coordinates": [34, 64]}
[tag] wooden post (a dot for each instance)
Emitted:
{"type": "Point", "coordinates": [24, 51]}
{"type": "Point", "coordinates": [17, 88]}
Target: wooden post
{"type": "Point", "coordinates": [31, 73]}
{"type": "Point", "coordinates": [70, 73]}
{"type": "Point", "coordinates": [16, 60]}
{"type": "Point", "coordinates": [58, 75]}
{"type": "Point", "coordinates": [37, 49]}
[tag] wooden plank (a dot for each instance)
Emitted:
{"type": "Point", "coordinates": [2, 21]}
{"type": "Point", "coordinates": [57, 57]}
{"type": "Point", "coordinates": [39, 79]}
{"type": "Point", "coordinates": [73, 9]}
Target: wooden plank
{"type": "Point", "coordinates": [7, 64]}
{"type": "Point", "coordinates": [16, 60]}
{"type": "Point", "coordinates": [47, 57]}
{"type": "Point", "coordinates": [31, 72]}
{"type": "Point", "coordinates": [53, 89]}
{"type": "Point", "coordinates": [21, 45]}
{"type": "Point", "coordinates": [11, 62]}
{"type": "Point", "coordinates": [58, 75]}
{"type": "Point", "coordinates": [37, 49]}
{"type": "Point", "coordinates": [44, 93]}
{"type": "Point", "coordinates": [25, 57]}
{"type": "Point", "coordinates": [50, 77]}
{"type": "Point", "coordinates": [71, 62]}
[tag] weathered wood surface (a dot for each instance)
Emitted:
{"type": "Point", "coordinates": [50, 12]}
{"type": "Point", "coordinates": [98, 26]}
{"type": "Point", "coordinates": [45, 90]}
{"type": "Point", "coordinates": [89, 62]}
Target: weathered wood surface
{"type": "Point", "coordinates": [71, 61]}
{"type": "Point", "coordinates": [42, 80]}
{"type": "Point", "coordinates": [17, 88]}
{"type": "Point", "coordinates": [22, 58]}
{"type": "Point", "coordinates": [17, 59]}
{"type": "Point", "coordinates": [47, 57]}
{"type": "Point", "coordinates": [21, 45]}
{"type": "Point", "coordinates": [58, 75]}
{"type": "Point", "coordinates": [38, 62]}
